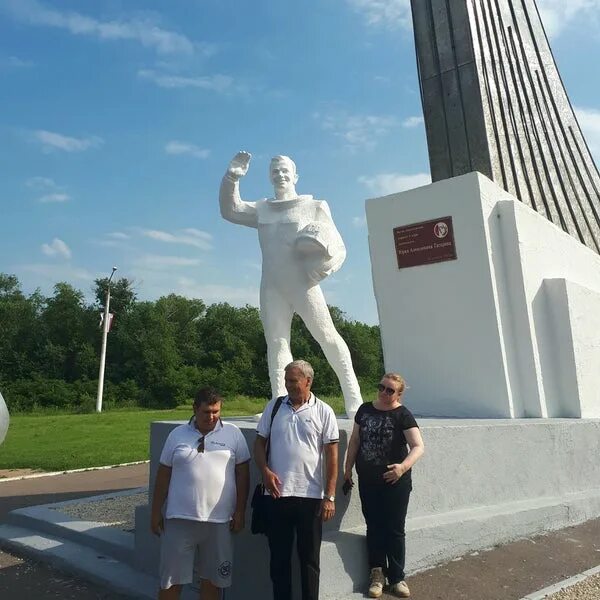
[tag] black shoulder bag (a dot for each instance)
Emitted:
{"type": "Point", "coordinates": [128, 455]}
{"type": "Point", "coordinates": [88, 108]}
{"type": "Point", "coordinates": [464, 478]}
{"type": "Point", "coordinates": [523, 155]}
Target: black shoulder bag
{"type": "Point", "coordinates": [260, 501]}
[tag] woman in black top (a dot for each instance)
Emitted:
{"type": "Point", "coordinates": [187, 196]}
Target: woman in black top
{"type": "Point", "coordinates": [385, 443]}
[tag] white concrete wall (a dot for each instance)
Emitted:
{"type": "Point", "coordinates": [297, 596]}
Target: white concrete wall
{"type": "Point", "coordinates": [572, 371]}
{"type": "Point", "coordinates": [440, 323]}
{"type": "Point", "coordinates": [545, 252]}
{"type": "Point", "coordinates": [478, 336]}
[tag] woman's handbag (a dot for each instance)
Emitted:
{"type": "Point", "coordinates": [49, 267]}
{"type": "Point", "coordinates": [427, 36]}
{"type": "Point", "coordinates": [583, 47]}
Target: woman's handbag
{"type": "Point", "coordinates": [260, 501]}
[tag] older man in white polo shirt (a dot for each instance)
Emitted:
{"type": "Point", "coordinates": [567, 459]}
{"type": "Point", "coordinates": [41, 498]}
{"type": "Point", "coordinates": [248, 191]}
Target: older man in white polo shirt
{"type": "Point", "coordinates": [302, 436]}
{"type": "Point", "coordinates": [204, 477]}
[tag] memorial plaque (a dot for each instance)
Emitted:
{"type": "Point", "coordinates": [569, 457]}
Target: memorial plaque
{"type": "Point", "coordinates": [425, 243]}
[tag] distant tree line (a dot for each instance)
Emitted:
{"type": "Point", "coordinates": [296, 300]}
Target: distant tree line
{"type": "Point", "coordinates": [159, 352]}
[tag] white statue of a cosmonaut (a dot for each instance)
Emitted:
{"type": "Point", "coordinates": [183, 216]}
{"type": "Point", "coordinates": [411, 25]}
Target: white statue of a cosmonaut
{"type": "Point", "coordinates": [300, 246]}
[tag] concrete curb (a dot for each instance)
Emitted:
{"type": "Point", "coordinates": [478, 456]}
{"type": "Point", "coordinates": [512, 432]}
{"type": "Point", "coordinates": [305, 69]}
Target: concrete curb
{"type": "Point", "coordinates": [562, 585]}
{"type": "Point", "coordinates": [53, 473]}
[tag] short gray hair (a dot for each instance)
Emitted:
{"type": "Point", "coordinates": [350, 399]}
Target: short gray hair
{"type": "Point", "coordinates": [303, 366]}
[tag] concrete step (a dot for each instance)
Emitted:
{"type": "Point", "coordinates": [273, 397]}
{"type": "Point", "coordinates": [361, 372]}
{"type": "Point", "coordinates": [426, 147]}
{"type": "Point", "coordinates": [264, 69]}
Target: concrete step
{"type": "Point", "coordinates": [97, 536]}
{"type": "Point", "coordinates": [79, 560]}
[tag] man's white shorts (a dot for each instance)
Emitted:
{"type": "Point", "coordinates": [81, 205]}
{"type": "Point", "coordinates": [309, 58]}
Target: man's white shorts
{"type": "Point", "coordinates": [178, 544]}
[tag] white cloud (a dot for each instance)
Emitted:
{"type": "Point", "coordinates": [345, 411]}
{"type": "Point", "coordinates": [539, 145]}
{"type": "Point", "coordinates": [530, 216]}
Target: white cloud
{"type": "Point", "coordinates": [382, 79]}
{"type": "Point", "coordinates": [412, 122]}
{"type": "Point", "coordinates": [177, 147]}
{"type": "Point", "coordinates": [589, 121]}
{"type": "Point", "coordinates": [359, 222]}
{"type": "Point", "coordinates": [213, 83]}
{"type": "Point", "coordinates": [557, 15]}
{"type": "Point", "coordinates": [54, 193]}
{"type": "Point", "coordinates": [358, 132]}
{"type": "Point", "coordinates": [41, 183]}
{"type": "Point", "coordinates": [141, 30]}
{"type": "Point", "coordinates": [188, 237]}
{"type": "Point", "coordinates": [155, 262]}
{"type": "Point", "coordinates": [14, 62]}
{"type": "Point", "coordinates": [212, 293]}
{"type": "Point", "coordinates": [118, 235]}
{"type": "Point", "coordinates": [58, 272]}
{"type": "Point", "coordinates": [57, 248]}
{"type": "Point", "coordinates": [198, 233]}
{"type": "Point", "coordinates": [55, 197]}
{"type": "Point", "coordinates": [391, 14]}
{"type": "Point", "coordinates": [56, 141]}
{"type": "Point", "coordinates": [391, 183]}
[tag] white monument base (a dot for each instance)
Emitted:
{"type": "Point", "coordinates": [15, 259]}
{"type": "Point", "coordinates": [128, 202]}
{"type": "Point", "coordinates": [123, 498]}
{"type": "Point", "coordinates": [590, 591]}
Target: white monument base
{"type": "Point", "coordinates": [511, 328]}
{"type": "Point", "coordinates": [480, 483]}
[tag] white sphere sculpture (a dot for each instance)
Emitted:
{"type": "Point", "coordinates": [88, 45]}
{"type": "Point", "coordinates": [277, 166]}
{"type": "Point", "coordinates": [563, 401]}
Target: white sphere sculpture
{"type": "Point", "coordinates": [4, 419]}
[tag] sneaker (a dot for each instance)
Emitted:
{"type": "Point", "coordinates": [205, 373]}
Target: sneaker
{"type": "Point", "coordinates": [376, 582]}
{"type": "Point", "coordinates": [400, 589]}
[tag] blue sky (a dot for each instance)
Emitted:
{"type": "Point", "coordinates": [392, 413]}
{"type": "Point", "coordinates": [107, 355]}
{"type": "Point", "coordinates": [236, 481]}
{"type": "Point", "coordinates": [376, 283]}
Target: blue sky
{"type": "Point", "coordinates": [118, 119]}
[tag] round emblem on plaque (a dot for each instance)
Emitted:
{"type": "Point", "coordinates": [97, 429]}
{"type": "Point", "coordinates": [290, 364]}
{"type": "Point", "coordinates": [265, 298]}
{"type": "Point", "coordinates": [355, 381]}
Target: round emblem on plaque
{"type": "Point", "coordinates": [440, 230]}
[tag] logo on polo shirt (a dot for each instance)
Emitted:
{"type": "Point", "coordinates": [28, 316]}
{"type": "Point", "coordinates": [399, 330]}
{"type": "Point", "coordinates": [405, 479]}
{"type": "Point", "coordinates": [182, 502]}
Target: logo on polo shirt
{"type": "Point", "coordinates": [218, 444]}
{"type": "Point", "coordinates": [225, 569]}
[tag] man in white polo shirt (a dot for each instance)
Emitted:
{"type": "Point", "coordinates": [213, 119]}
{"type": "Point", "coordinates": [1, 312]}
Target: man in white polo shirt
{"type": "Point", "coordinates": [302, 436]}
{"type": "Point", "coordinates": [204, 477]}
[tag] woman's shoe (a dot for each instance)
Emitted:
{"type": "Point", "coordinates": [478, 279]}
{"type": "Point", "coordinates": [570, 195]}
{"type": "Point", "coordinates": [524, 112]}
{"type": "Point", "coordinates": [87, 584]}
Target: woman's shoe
{"type": "Point", "coordinates": [376, 582]}
{"type": "Point", "coordinates": [400, 589]}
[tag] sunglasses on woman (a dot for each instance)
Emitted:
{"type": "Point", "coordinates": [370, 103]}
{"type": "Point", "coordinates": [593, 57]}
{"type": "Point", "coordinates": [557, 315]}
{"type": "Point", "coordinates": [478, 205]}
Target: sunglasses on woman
{"type": "Point", "coordinates": [388, 390]}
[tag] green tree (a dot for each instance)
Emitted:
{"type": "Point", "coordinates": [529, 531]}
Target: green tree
{"type": "Point", "coordinates": [234, 349]}
{"type": "Point", "coordinates": [21, 334]}
{"type": "Point", "coordinates": [68, 325]}
{"type": "Point", "coordinates": [122, 294]}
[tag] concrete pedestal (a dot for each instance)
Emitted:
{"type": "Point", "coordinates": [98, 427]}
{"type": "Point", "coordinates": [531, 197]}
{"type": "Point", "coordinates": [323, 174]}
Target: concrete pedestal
{"type": "Point", "coordinates": [480, 483]}
{"type": "Point", "coordinates": [511, 328]}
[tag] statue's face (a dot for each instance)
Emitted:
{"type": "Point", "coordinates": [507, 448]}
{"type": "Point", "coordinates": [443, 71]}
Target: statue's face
{"type": "Point", "coordinates": [283, 175]}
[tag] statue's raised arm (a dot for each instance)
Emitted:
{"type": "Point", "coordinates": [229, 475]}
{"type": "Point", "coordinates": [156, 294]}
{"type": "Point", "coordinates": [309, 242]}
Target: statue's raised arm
{"type": "Point", "coordinates": [233, 208]}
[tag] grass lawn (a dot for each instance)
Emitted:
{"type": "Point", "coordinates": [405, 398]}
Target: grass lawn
{"type": "Point", "coordinates": [56, 442]}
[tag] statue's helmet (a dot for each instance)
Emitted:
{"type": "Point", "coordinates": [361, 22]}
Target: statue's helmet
{"type": "Point", "coordinates": [315, 240]}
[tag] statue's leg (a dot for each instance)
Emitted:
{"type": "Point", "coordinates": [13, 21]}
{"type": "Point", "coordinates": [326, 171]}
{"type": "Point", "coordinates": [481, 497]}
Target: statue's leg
{"type": "Point", "coordinates": [276, 316]}
{"type": "Point", "coordinates": [312, 308]}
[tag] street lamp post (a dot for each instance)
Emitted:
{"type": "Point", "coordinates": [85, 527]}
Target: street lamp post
{"type": "Point", "coordinates": [105, 326]}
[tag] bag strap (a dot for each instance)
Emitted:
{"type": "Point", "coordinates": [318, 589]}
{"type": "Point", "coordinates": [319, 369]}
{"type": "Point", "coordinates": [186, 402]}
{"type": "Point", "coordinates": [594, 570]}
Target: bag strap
{"type": "Point", "coordinates": [275, 409]}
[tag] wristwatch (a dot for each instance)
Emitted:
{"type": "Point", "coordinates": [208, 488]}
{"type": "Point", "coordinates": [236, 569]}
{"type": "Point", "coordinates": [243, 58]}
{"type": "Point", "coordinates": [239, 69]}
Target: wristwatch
{"type": "Point", "coordinates": [330, 498]}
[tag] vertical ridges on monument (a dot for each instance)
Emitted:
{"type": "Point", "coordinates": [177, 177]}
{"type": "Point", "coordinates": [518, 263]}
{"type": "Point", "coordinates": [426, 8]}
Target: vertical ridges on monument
{"type": "Point", "coordinates": [494, 102]}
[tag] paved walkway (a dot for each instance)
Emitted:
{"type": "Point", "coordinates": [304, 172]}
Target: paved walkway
{"type": "Point", "coordinates": [508, 572]}
{"type": "Point", "coordinates": [512, 571]}
{"type": "Point", "coordinates": [24, 578]}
